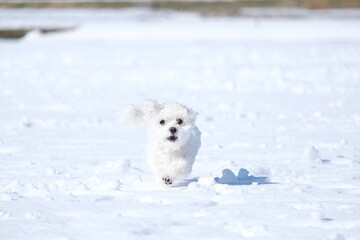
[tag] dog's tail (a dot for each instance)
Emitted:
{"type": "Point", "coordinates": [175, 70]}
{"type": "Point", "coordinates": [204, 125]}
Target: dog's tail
{"type": "Point", "coordinates": [138, 117]}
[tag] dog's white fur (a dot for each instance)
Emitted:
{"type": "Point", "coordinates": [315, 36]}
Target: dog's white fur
{"type": "Point", "coordinates": [170, 159]}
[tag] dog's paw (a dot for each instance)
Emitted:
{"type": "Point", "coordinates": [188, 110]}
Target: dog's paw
{"type": "Point", "coordinates": [167, 180]}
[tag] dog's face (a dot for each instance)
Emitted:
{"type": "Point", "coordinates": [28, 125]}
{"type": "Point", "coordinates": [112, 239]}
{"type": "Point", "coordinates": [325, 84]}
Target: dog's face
{"type": "Point", "coordinates": [171, 124]}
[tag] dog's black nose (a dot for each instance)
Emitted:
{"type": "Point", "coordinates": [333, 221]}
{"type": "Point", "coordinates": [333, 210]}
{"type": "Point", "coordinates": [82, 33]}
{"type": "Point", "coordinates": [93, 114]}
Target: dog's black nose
{"type": "Point", "coordinates": [173, 130]}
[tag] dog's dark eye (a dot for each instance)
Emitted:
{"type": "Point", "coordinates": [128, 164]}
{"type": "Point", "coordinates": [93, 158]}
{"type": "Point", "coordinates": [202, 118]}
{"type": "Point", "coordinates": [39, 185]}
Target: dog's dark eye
{"type": "Point", "coordinates": [162, 122]}
{"type": "Point", "coordinates": [179, 121]}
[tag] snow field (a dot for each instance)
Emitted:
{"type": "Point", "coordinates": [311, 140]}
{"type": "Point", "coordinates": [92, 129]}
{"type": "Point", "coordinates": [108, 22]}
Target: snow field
{"type": "Point", "coordinates": [278, 103]}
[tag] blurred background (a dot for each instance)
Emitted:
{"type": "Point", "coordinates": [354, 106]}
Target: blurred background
{"type": "Point", "coordinates": [234, 8]}
{"type": "Point", "coordinates": [206, 6]}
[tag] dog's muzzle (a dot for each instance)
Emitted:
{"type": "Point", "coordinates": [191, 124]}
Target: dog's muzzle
{"type": "Point", "coordinates": [172, 138]}
{"type": "Point", "coordinates": [173, 130]}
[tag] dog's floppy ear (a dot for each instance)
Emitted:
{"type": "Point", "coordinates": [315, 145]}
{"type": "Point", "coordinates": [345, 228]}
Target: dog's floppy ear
{"type": "Point", "coordinates": [192, 115]}
{"type": "Point", "coordinates": [131, 115]}
{"type": "Point", "coordinates": [151, 108]}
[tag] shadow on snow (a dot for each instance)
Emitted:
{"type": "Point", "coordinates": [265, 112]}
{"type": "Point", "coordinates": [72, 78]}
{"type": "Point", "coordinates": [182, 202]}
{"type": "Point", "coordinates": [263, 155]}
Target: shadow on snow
{"type": "Point", "coordinates": [242, 178]}
{"type": "Point", "coordinates": [229, 178]}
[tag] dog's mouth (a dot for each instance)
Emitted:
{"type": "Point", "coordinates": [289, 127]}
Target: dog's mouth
{"type": "Point", "coordinates": [172, 138]}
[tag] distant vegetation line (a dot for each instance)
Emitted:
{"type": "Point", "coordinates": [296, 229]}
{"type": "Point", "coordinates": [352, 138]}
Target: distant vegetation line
{"type": "Point", "coordinates": [226, 6]}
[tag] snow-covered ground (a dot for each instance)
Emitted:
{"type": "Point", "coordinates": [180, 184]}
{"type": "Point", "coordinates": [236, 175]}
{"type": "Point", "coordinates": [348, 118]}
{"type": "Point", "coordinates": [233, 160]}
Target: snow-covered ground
{"type": "Point", "coordinates": [278, 102]}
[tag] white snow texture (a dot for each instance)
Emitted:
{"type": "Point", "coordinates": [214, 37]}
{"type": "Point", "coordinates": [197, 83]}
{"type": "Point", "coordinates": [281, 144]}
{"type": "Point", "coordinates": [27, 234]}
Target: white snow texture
{"type": "Point", "coordinates": [279, 112]}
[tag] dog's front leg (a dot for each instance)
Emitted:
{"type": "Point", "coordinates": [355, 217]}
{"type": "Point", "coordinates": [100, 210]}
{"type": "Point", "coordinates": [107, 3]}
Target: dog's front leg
{"type": "Point", "coordinates": [167, 180]}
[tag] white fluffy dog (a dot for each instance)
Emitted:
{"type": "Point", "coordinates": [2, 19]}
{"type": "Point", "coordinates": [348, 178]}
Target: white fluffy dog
{"type": "Point", "coordinates": [173, 141]}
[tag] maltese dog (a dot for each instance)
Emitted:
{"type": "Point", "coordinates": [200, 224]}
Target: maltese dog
{"type": "Point", "coordinates": [173, 141]}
